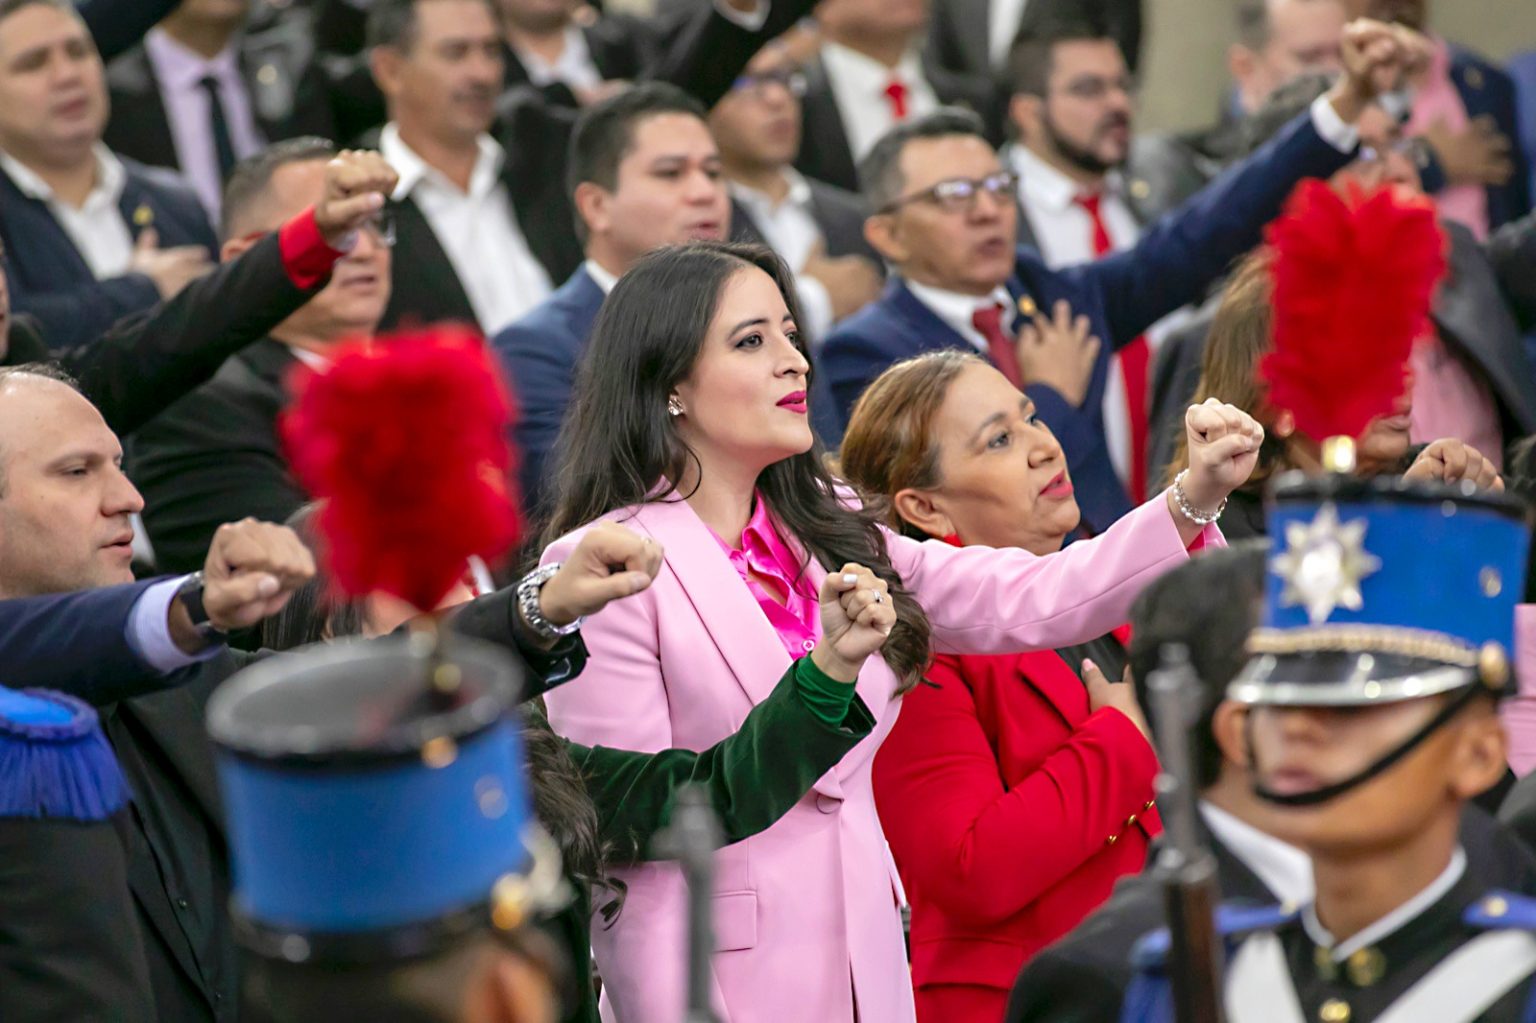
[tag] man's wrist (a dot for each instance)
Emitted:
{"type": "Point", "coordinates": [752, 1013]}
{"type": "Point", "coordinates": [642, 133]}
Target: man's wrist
{"type": "Point", "coordinates": [1349, 99]}
{"type": "Point", "coordinates": [188, 638]}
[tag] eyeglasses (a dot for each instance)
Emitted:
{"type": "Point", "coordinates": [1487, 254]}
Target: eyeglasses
{"type": "Point", "coordinates": [380, 228]}
{"type": "Point", "coordinates": [958, 195]}
{"type": "Point", "coordinates": [1096, 87]}
{"type": "Point", "coordinates": [757, 86]}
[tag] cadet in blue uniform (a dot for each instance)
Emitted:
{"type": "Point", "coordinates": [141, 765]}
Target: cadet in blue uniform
{"type": "Point", "coordinates": [1372, 720]}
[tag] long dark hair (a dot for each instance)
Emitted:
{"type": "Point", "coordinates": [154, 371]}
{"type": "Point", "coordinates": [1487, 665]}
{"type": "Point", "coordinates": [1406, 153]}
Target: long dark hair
{"type": "Point", "coordinates": [618, 441]}
{"type": "Point", "coordinates": [315, 614]}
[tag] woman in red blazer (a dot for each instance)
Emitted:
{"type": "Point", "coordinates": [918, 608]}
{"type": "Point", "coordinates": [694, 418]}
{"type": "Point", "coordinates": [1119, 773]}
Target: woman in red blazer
{"type": "Point", "coordinates": [1013, 793]}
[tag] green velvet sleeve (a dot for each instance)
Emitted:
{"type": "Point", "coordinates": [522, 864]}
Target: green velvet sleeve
{"type": "Point", "coordinates": [753, 777]}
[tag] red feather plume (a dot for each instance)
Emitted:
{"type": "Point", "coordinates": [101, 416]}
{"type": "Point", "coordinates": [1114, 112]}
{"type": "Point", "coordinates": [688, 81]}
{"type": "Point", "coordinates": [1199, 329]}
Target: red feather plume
{"type": "Point", "coordinates": [405, 440]}
{"type": "Point", "coordinates": [1353, 277]}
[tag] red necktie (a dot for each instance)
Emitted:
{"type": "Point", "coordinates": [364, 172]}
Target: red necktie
{"type": "Point", "coordinates": [896, 92]}
{"type": "Point", "coordinates": [1133, 359]}
{"type": "Point", "coordinates": [988, 321]}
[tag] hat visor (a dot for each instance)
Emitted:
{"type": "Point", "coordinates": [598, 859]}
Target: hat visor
{"type": "Point", "coordinates": [1331, 678]}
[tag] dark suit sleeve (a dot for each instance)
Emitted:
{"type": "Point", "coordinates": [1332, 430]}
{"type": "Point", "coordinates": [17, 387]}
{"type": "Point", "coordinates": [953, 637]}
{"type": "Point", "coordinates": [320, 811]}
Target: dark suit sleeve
{"type": "Point", "coordinates": [118, 25]}
{"type": "Point", "coordinates": [753, 777]}
{"type": "Point", "coordinates": [542, 373]}
{"type": "Point", "coordinates": [1184, 252]}
{"type": "Point", "coordinates": [75, 316]}
{"type": "Point", "coordinates": [1512, 250]}
{"type": "Point", "coordinates": [76, 643]}
{"type": "Point", "coordinates": [493, 618]}
{"type": "Point", "coordinates": [147, 362]}
{"type": "Point", "coordinates": [704, 51]}
{"type": "Point", "coordinates": [1062, 986]}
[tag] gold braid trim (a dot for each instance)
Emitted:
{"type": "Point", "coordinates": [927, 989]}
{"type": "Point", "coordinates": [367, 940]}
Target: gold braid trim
{"type": "Point", "coordinates": [1379, 639]}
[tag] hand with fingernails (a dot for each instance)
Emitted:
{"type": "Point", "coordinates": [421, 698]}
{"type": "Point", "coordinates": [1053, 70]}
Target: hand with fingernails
{"type": "Point", "coordinates": [251, 570]}
{"type": "Point", "coordinates": [1223, 449]}
{"type": "Point", "coordinates": [610, 562]}
{"type": "Point", "coordinates": [1119, 695]}
{"type": "Point", "coordinates": [856, 619]}
{"type": "Point", "coordinates": [1449, 460]}
{"type": "Point", "coordinates": [357, 183]}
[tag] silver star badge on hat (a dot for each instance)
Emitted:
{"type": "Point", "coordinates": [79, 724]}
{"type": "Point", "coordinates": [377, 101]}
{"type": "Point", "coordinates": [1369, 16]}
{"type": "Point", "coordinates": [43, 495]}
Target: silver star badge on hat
{"type": "Point", "coordinates": [1323, 563]}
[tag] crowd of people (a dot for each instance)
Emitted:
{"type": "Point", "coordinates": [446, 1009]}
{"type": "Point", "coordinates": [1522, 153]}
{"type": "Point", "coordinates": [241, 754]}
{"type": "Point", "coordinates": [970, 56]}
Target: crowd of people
{"type": "Point", "coordinates": [887, 411]}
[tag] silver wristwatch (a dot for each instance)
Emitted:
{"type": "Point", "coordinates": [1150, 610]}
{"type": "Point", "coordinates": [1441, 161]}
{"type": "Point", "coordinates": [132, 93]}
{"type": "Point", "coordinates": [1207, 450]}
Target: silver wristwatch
{"type": "Point", "coordinates": [528, 603]}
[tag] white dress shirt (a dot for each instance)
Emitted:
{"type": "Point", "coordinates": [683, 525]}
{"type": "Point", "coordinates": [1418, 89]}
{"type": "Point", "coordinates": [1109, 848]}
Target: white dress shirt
{"type": "Point", "coordinates": [1393, 921]}
{"type": "Point", "coordinates": [1063, 230]}
{"type": "Point", "coordinates": [790, 229]}
{"type": "Point", "coordinates": [96, 226]}
{"type": "Point", "coordinates": [600, 275]}
{"type": "Point", "coordinates": [478, 230]}
{"type": "Point", "coordinates": [1285, 870]}
{"type": "Point", "coordinates": [858, 87]}
{"type": "Point", "coordinates": [1003, 17]}
{"type": "Point", "coordinates": [178, 72]}
{"type": "Point", "coordinates": [574, 66]}
{"type": "Point", "coordinates": [957, 310]}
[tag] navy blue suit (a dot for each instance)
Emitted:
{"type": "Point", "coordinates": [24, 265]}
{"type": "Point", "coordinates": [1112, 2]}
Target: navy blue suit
{"type": "Point", "coordinates": [50, 279]}
{"type": "Point", "coordinates": [540, 353]}
{"type": "Point", "coordinates": [1122, 295]}
{"type": "Point", "coordinates": [1487, 90]}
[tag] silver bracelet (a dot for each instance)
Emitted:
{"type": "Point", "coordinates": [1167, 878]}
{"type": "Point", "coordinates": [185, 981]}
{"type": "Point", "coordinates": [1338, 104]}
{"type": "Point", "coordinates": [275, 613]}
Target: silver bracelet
{"type": "Point", "coordinates": [1190, 512]}
{"type": "Point", "coordinates": [528, 601]}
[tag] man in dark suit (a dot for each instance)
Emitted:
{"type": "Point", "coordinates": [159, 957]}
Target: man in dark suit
{"type": "Point", "coordinates": [973, 37]}
{"type": "Point", "coordinates": [1209, 606]}
{"type": "Point", "coordinates": [869, 76]}
{"type": "Point", "coordinates": [1480, 309]}
{"type": "Point", "coordinates": [483, 208]}
{"type": "Point", "coordinates": [82, 228]}
{"type": "Point", "coordinates": [1464, 107]}
{"type": "Point", "coordinates": [214, 456]}
{"type": "Point", "coordinates": [816, 228]}
{"type": "Point", "coordinates": [646, 174]}
{"type": "Point", "coordinates": [149, 360]}
{"type": "Point", "coordinates": [946, 218]}
{"type": "Point", "coordinates": [576, 60]}
{"type": "Point", "coordinates": [201, 93]}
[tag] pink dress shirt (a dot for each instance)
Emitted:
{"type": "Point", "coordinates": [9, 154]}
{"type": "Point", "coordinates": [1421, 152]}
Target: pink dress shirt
{"type": "Point", "coordinates": [1519, 714]}
{"type": "Point", "coordinates": [1436, 99]}
{"type": "Point", "coordinates": [1452, 399]}
{"type": "Point", "coordinates": [797, 621]}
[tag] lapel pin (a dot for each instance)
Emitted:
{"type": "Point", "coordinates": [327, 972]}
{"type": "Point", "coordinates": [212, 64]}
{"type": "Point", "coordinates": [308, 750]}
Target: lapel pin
{"type": "Point", "coordinates": [1026, 306]}
{"type": "Point", "coordinates": [143, 216]}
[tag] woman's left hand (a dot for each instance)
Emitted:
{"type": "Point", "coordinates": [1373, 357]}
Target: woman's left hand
{"type": "Point", "coordinates": [856, 619]}
{"type": "Point", "coordinates": [1223, 449]}
{"type": "Point", "coordinates": [1449, 460]}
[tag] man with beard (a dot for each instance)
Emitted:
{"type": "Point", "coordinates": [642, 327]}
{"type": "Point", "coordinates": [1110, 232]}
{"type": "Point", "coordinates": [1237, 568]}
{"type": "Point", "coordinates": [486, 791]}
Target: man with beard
{"type": "Point", "coordinates": [1070, 111]}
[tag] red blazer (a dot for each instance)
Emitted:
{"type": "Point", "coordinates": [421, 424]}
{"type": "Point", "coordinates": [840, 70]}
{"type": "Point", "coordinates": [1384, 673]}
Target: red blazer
{"type": "Point", "coordinates": [1011, 811]}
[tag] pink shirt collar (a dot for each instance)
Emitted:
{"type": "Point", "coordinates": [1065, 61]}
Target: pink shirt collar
{"type": "Point", "coordinates": [766, 553]}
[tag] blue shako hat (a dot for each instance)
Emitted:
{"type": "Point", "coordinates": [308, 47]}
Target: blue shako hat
{"type": "Point", "coordinates": [55, 763]}
{"type": "Point", "coordinates": [377, 801]}
{"type": "Point", "coordinates": [1383, 589]}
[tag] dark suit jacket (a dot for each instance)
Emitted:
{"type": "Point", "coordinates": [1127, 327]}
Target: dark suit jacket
{"type": "Point", "coordinates": [623, 48]}
{"type": "Point", "coordinates": [704, 54]}
{"type": "Point", "coordinates": [824, 150]}
{"type": "Point", "coordinates": [116, 25]}
{"type": "Point", "coordinates": [178, 867]}
{"type": "Point", "coordinates": [50, 279]}
{"type": "Point", "coordinates": [1122, 294]}
{"type": "Point", "coordinates": [214, 457]}
{"type": "Point", "coordinates": [149, 360]}
{"type": "Point", "coordinates": [287, 94]}
{"type": "Point", "coordinates": [839, 214]}
{"type": "Point", "coordinates": [1471, 313]}
{"type": "Point", "coordinates": [540, 353]}
{"type": "Point", "coordinates": [959, 35]}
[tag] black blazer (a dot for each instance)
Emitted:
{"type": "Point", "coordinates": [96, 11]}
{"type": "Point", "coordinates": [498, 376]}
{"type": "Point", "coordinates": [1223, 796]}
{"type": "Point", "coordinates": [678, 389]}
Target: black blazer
{"type": "Point", "coordinates": [214, 457]}
{"type": "Point", "coordinates": [49, 278]}
{"type": "Point", "coordinates": [704, 54]}
{"type": "Point", "coordinates": [840, 215]}
{"type": "Point", "coordinates": [824, 150]}
{"type": "Point", "coordinates": [959, 34]}
{"type": "Point", "coordinates": [287, 93]}
{"type": "Point", "coordinates": [1472, 312]}
{"type": "Point", "coordinates": [148, 360]}
{"type": "Point", "coordinates": [623, 47]}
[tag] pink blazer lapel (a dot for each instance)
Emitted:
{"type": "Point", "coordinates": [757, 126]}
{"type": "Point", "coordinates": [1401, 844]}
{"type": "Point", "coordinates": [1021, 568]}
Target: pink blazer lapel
{"type": "Point", "coordinates": [743, 635]}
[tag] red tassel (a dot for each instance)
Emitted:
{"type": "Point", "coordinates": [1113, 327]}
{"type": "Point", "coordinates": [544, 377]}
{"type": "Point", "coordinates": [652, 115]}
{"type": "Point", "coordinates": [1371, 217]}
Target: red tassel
{"type": "Point", "coordinates": [1353, 281]}
{"type": "Point", "coordinates": [405, 440]}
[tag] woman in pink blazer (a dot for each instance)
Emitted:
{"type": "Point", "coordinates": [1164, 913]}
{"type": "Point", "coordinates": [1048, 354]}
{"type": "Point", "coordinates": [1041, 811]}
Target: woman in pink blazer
{"type": "Point", "coordinates": [689, 425]}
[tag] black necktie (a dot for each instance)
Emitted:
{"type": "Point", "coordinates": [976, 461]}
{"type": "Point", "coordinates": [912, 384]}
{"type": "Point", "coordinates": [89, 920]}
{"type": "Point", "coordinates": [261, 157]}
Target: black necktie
{"type": "Point", "coordinates": [223, 145]}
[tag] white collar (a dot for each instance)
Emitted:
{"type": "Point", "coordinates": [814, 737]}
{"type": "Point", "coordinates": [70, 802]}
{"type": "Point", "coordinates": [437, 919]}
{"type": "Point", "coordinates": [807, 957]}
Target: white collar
{"type": "Point", "coordinates": [866, 74]}
{"type": "Point", "coordinates": [180, 68]}
{"type": "Point", "coordinates": [956, 309]}
{"type": "Point", "coordinates": [314, 360]}
{"type": "Point", "coordinates": [600, 276]}
{"type": "Point", "coordinates": [799, 193]}
{"type": "Point", "coordinates": [413, 170]}
{"type": "Point", "coordinates": [111, 176]}
{"type": "Point", "coordinates": [1285, 870]}
{"type": "Point", "coordinates": [574, 53]}
{"type": "Point", "coordinates": [1050, 186]}
{"type": "Point", "coordinates": [1393, 921]}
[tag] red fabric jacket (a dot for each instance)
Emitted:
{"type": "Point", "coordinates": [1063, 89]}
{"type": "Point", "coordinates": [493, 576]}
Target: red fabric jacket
{"type": "Point", "coordinates": [1011, 810]}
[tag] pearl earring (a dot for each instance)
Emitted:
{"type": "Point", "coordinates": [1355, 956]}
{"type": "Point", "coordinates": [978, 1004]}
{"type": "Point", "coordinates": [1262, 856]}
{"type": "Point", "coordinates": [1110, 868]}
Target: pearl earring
{"type": "Point", "coordinates": [674, 407]}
